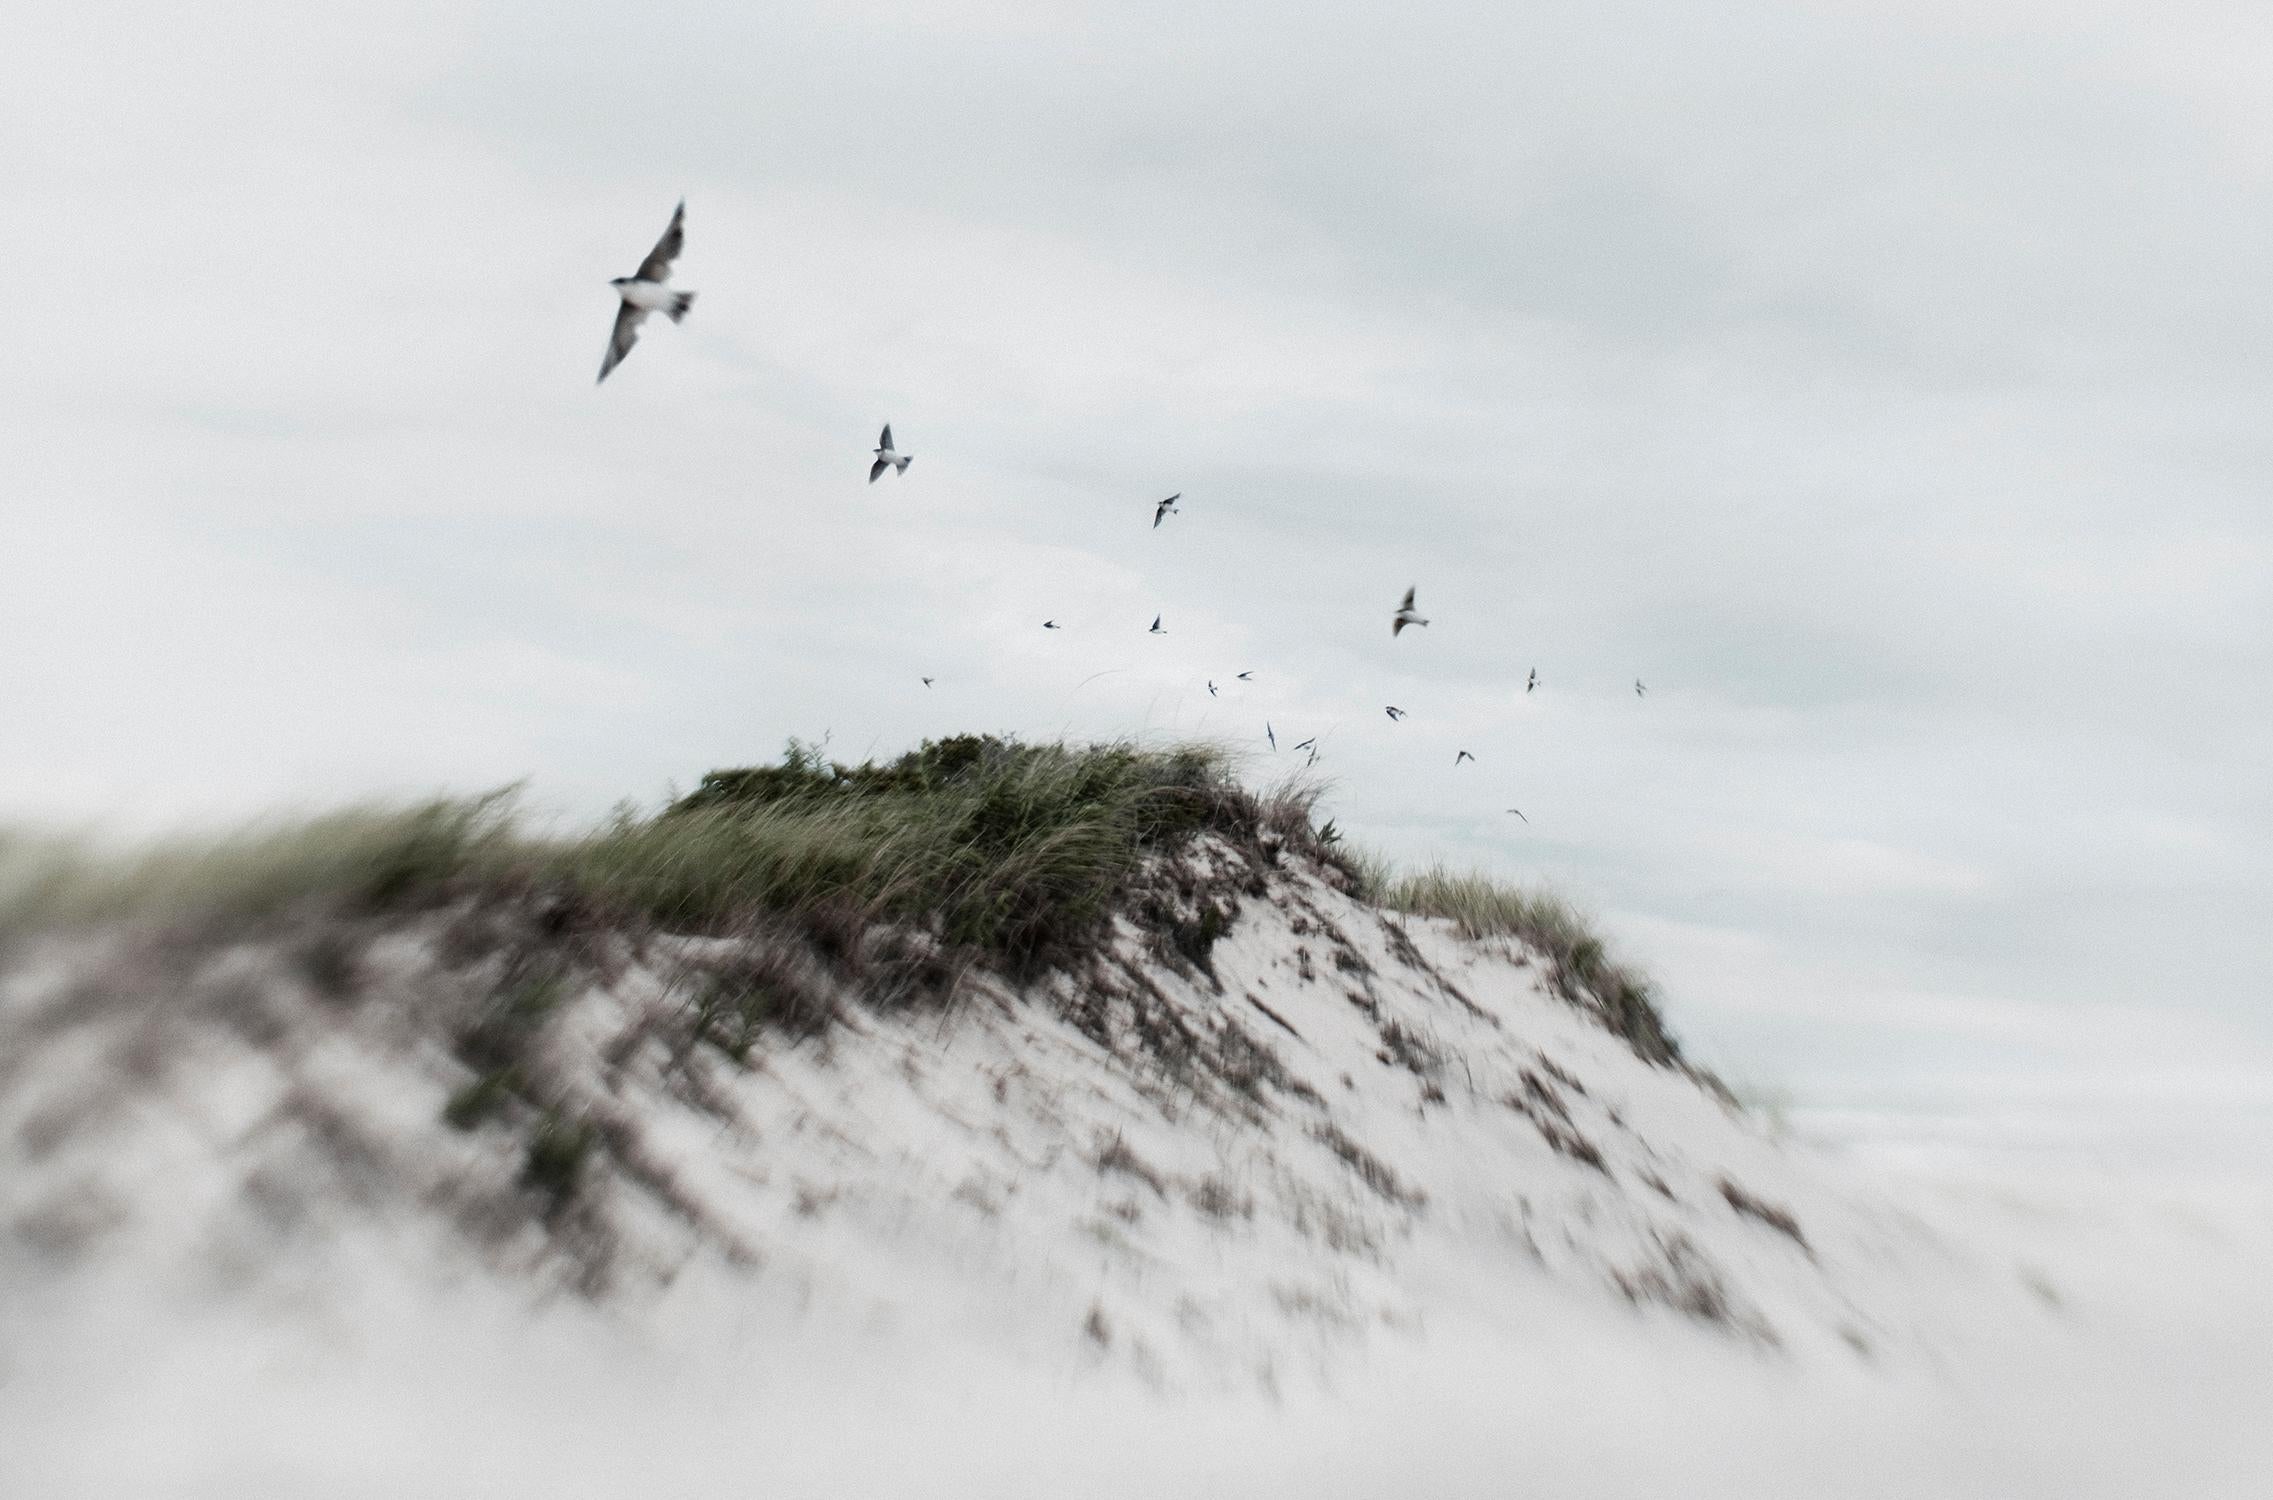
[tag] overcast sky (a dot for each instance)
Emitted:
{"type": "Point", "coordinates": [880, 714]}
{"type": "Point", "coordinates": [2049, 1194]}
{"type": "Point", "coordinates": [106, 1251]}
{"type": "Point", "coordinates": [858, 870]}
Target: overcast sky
{"type": "Point", "coordinates": [1885, 384]}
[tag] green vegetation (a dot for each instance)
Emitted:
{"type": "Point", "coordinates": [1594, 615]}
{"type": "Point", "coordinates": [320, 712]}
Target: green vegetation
{"type": "Point", "coordinates": [1581, 970]}
{"type": "Point", "coordinates": [1016, 851]}
{"type": "Point", "coordinates": [557, 1151]}
{"type": "Point", "coordinates": [360, 859]}
{"type": "Point", "coordinates": [986, 846]}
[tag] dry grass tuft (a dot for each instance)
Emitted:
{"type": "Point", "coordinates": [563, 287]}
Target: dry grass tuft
{"type": "Point", "coordinates": [1580, 968]}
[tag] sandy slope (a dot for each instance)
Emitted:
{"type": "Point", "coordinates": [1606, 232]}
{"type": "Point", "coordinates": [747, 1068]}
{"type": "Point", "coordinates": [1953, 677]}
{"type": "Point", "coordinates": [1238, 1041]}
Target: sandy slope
{"type": "Point", "coordinates": [1357, 1206]}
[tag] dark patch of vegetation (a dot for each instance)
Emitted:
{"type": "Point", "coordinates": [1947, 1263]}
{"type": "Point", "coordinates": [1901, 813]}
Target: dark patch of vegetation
{"type": "Point", "coordinates": [1371, 1169]}
{"type": "Point", "coordinates": [1778, 1219]}
{"type": "Point", "coordinates": [482, 1100]}
{"type": "Point", "coordinates": [1579, 968]}
{"type": "Point", "coordinates": [985, 847]}
{"type": "Point", "coordinates": [359, 861]}
{"type": "Point", "coordinates": [1568, 1142]}
{"type": "Point", "coordinates": [1120, 1007]}
{"type": "Point", "coordinates": [1540, 1097]}
{"type": "Point", "coordinates": [554, 1160]}
{"type": "Point", "coordinates": [1116, 1155]}
{"type": "Point", "coordinates": [1194, 938]}
{"type": "Point", "coordinates": [1218, 1199]}
{"type": "Point", "coordinates": [501, 1035]}
{"type": "Point", "coordinates": [1017, 851]}
{"type": "Point", "coordinates": [1275, 1018]}
{"type": "Point", "coordinates": [331, 960]}
{"type": "Point", "coordinates": [1682, 1279]}
{"type": "Point", "coordinates": [1562, 1075]}
{"type": "Point", "coordinates": [1400, 1045]}
{"type": "Point", "coordinates": [757, 989]}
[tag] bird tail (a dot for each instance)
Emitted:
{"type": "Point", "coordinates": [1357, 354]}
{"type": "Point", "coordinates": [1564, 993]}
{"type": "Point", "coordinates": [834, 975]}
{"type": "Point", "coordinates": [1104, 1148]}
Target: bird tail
{"type": "Point", "coordinates": [679, 305]}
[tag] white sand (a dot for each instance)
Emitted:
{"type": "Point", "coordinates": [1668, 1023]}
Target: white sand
{"type": "Point", "coordinates": [938, 1220]}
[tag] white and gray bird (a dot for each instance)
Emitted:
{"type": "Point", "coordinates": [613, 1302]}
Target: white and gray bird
{"type": "Point", "coordinates": [1271, 735]}
{"type": "Point", "coordinates": [1463, 755]}
{"type": "Point", "coordinates": [1406, 615]}
{"type": "Point", "coordinates": [887, 458]}
{"type": "Point", "coordinates": [1639, 690]}
{"type": "Point", "coordinates": [1211, 687]}
{"type": "Point", "coordinates": [1306, 744]}
{"type": "Point", "coordinates": [1166, 507]}
{"type": "Point", "coordinates": [1395, 713]}
{"type": "Point", "coordinates": [1246, 677]}
{"type": "Point", "coordinates": [646, 291]}
{"type": "Point", "coordinates": [1156, 630]}
{"type": "Point", "coordinates": [1052, 625]}
{"type": "Point", "coordinates": [1534, 682]}
{"type": "Point", "coordinates": [1519, 813]}
{"type": "Point", "coordinates": [927, 682]}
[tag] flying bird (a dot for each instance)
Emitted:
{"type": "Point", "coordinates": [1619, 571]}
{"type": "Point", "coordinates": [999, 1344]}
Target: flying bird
{"type": "Point", "coordinates": [1463, 755]}
{"type": "Point", "coordinates": [1639, 690]}
{"type": "Point", "coordinates": [927, 682]}
{"type": "Point", "coordinates": [1166, 507]}
{"type": "Point", "coordinates": [1306, 744]}
{"type": "Point", "coordinates": [1156, 630]}
{"type": "Point", "coordinates": [1534, 682]}
{"type": "Point", "coordinates": [1246, 677]}
{"type": "Point", "coordinates": [1395, 713]}
{"type": "Point", "coordinates": [1052, 625]}
{"type": "Point", "coordinates": [645, 291]}
{"type": "Point", "coordinates": [1406, 615]}
{"type": "Point", "coordinates": [1519, 813]}
{"type": "Point", "coordinates": [1211, 687]}
{"type": "Point", "coordinates": [1271, 735]}
{"type": "Point", "coordinates": [886, 458]}
{"type": "Point", "coordinates": [1313, 760]}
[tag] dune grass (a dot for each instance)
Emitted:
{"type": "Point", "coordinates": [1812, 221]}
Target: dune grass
{"type": "Point", "coordinates": [1017, 852]}
{"type": "Point", "coordinates": [1581, 968]}
{"type": "Point", "coordinates": [1012, 849]}
{"type": "Point", "coordinates": [370, 858]}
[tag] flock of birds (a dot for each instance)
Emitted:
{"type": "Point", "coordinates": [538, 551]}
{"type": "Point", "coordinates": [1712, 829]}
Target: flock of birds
{"type": "Point", "coordinates": [648, 290]}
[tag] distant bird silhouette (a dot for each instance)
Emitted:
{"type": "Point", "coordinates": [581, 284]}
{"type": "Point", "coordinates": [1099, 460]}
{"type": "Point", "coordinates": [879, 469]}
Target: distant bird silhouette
{"type": "Point", "coordinates": [927, 682]}
{"type": "Point", "coordinates": [886, 458]}
{"type": "Point", "coordinates": [1463, 755]}
{"type": "Point", "coordinates": [1166, 507]}
{"type": "Point", "coordinates": [1306, 744]}
{"type": "Point", "coordinates": [1534, 682]}
{"type": "Point", "coordinates": [1519, 813]}
{"type": "Point", "coordinates": [1052, 625]}
{"type": "Point", "coordinates": [1271, 735]}
{"type": "Point", "coordinates": [1246, 677]}
{"type": "Point", "coordinates": [1156, 630]}
{"type": "Point", "coordinates": [645, 291]}
{"type": "Point", "coordinates": [1313, 760]}
{"type": "Point", "coordinates": [1639, 690]}
{"type": "Point", "coordinates": [1395, 713]}
{"type": "Point", "coordinates": [1406, 615]}
{"type": "Point", "coordinates": [1211, 687]}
